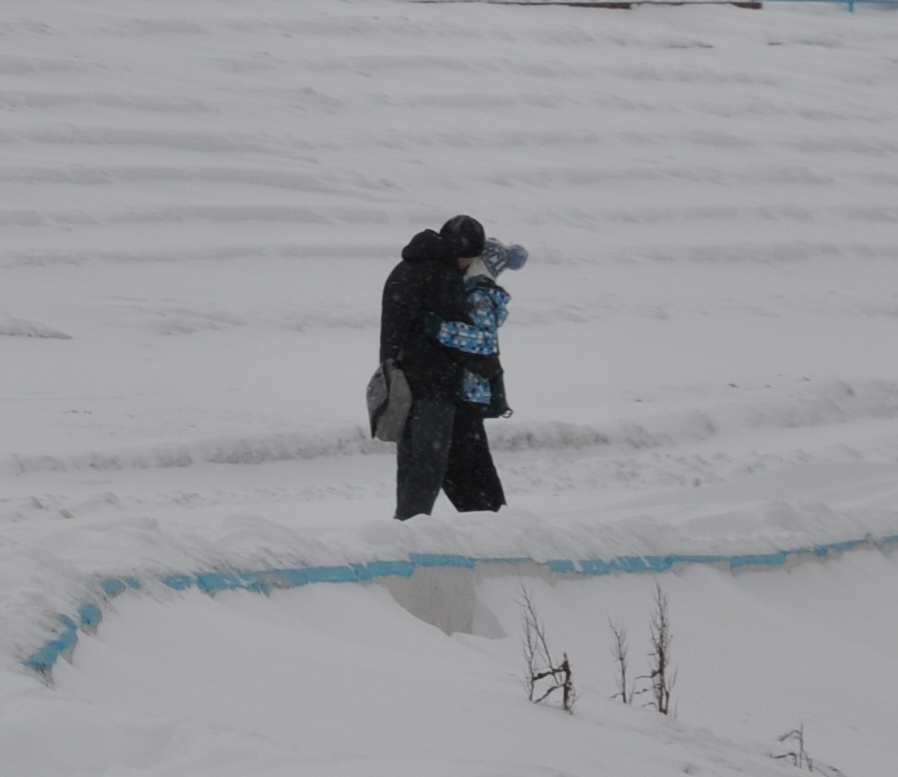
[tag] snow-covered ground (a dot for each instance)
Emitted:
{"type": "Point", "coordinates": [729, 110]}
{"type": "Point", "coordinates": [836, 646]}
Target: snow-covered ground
{"type": "Point", "coordinates": [200, 200]}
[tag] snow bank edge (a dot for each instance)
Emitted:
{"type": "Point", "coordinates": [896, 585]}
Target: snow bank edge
{"type": "Point", "coordinates": [90, 613]}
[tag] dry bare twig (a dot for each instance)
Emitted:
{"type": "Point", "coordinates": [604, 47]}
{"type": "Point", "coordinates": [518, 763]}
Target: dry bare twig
{"type": "Point", "coordinates": [538, 659]}
{"type": "Point", "coordinates": [661, 677]}
{"type": "Point", "coordinates": [620, 650]}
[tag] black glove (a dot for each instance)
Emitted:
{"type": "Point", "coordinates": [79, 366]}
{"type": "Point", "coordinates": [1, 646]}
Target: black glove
{"type": "Point", "coordinates": [432, 324]}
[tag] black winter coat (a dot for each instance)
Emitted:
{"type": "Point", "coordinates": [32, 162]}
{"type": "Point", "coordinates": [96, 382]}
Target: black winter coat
{"type": "Point", "coordinates": [426, 280]}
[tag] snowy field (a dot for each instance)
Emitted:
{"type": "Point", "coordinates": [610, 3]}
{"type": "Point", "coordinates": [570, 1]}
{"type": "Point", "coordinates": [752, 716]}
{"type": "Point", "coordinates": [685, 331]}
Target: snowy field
{"type": "Point", "coordinates": [200, 201]}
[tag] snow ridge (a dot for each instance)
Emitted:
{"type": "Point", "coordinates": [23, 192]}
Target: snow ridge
{"type": "Point", "coordinates": [90, 613]}
{"type": "Point", "coordinates": [17, 327]}
{"type": "Point", "coordinates": [804, 406]}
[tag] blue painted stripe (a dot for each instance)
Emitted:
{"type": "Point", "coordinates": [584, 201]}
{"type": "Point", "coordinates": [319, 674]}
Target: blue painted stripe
{"type": "Point", "coordinates": [562, 567]}
{"type": "Point", "coordinates": [841, 547]}
{"type": "Point", "coordinates": [759, 559]}
{"type": "Point", "coordinates": [178, 582]}
{"type": "Point", "coordinates": [700, 558]}
{"type": "Point", "coordinates": [43, 659]}
{"type": "Point", "coordinates": [512, 560]}
{"type": "Point", "coordinates": [212, 582]}
{"type": "Point", "coordinates": [90, 614]}
{"type": "Point", "coordinates": [375, 569]}
{"type": "Point", "coordinates": [596, 566]}
{"type": "Point", "coordinates": [333, 575]}
{"type": "Point", "coordinates": [113, 586]}
{"type": "Point", "coordinates": [441, 560]}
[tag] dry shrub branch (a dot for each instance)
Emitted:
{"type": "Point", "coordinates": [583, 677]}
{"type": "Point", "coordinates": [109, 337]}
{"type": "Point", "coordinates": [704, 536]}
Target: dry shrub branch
{"type": "Point", "coordinates": [620, 649]}
{"type": "Point", "coordinates": [543, 675]}
{"type": "Point", "coordinates": [661, 676]}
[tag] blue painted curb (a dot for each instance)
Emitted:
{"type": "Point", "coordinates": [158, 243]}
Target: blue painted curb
{"type": "Point", "coordinates": [90, 614]}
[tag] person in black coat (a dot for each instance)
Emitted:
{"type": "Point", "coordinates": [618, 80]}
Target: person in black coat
{"type": "Point", "coordinates": [429, 279]}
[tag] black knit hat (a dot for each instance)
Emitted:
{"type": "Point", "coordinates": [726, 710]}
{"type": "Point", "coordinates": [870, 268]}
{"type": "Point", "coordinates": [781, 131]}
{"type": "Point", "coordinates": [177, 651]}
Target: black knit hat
{"type": "Point", "coordinates": [464, 235]}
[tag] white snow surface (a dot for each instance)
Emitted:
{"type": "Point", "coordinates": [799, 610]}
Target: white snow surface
{"type": "Point", "coordinates": [200, 201]}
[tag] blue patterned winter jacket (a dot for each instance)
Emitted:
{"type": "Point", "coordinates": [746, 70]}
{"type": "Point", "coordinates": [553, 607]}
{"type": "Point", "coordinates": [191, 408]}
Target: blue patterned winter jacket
{"type": "Point", "coordinates": [487, 306]}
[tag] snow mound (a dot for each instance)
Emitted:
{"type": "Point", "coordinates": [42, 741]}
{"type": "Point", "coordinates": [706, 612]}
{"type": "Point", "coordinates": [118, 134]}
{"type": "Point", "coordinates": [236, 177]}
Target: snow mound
{"type": "Point", "coordinates": [17, 327]}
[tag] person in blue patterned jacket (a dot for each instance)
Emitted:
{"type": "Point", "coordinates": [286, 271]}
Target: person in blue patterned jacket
{"type": "Point", "coordinates": [471, 481]}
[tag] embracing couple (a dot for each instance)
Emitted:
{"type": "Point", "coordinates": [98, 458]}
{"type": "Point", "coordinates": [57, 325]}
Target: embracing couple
{"type": "Point", "coordinates": [440, 316]}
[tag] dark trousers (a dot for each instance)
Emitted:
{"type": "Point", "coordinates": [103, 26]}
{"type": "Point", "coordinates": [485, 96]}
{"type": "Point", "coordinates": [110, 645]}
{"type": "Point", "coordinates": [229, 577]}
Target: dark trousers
{"type": "Point", "coordinates": [422, 456]}
{"type": "Point", "coordinates": [444, 445]}
{"type": "Point", "coordinates": [471, 480]}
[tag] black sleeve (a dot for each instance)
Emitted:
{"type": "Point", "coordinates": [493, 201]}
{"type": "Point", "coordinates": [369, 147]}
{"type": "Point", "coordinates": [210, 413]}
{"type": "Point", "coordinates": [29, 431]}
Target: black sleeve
{"type": "Point", "coordinates": [448, 299]}
{"type": "Point", "coordinates": [397, 315]}
{"type": "Point", "coordinates": [487, 366]}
